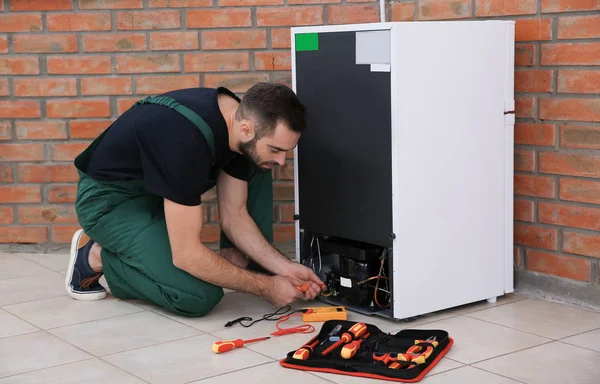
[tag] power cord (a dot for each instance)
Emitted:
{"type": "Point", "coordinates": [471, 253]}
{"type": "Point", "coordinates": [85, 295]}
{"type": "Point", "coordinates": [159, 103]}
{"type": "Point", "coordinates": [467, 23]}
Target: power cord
{"type": "Point", "coordinates": [282, 317]}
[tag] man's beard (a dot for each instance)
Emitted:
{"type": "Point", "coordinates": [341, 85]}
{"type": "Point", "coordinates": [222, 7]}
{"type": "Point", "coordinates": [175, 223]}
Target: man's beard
{"type": "Point", "coordinates": [249, 150]}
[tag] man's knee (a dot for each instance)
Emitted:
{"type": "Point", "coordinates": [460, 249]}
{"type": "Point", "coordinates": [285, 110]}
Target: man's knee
{"type": "Point", "coordinates": [197, 304]}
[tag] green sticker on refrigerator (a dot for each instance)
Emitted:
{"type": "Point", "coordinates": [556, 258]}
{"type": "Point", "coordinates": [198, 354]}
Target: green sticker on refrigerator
{"type": "Point", "coordinates": [307, 42]}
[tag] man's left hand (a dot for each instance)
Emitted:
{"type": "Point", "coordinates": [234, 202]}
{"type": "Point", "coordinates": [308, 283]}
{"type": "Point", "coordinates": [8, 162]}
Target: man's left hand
{"type": "Point", "coordinates": [301, 275]}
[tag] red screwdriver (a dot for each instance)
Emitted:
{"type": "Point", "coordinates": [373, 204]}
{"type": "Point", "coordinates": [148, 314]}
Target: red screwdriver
{"type": "Point", "coordinates": [357, 330]}
{"type": "Point", "coordinates": [304, 352]}
{"type": "Point", "coordinates": [228, 345]}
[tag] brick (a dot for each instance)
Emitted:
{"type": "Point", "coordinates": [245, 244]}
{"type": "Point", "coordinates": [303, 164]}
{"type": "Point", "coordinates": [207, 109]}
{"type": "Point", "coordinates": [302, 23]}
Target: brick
{"type": "Point", "coordinates": [53, 214]}
{"type": "Point", "coordinates": [3, 44]}
{"type": "Point", "coordinates": [106, 86]}
{"type": "Point", "coordinates": [523, 210]}
{"type": "Point", "coordinates": [569, 215]}
{"type": "Point", "coordinates": [235, 82]}
{"type": "Point", "coordinates": [62, 234]}
{"type": "Point", "coordinates": [533, 80]}
{"type": "Point", "coordinates": [235, 39]}
{"type": "Point", "coordinates": [524, 55]}
{"type": "Point", "coordinates": [347, 14]}
{"type": "Point", "coordinates": [4, 87]}
{"type": "Point", "coordinates": [283, 191]}
{"type": "Point", "coordinates": [67, 151]}
{"type": "Point", "coordinates": [580, 136]}
{"type": "Point", "coordinates": [20, 194]}
{"type": "Point", "coordinates": [23, 235]}
{"type": "Point", "coordinates": [69, 108]}
{"type": "Point", "coordinates": [68, 22]}
{"type": "Point", "coordinates": [293, 15]}
{"type": "Point", "coordinates": [180, 3]}
{"type": "Point", "coordinates": [142, 20]}
{"type": "Point", "coordinates": [284, 78]}
{"type": "Point", "coordinates": [146, 85]}
{"type": "Point", "coordinates": [6, 174]}
{"type": "Point", "coordinates": [15, 22]}
{"type": "Point", "coordinates": [217, 62]}
{"type": "Point", "coordinates": [219, 18]}
{"type": "Point", "coordinates": [286, 171]}
{"type": "Point", "coordinates": [249, 3]}
{"type": "Point", "coordinates": [559, 265]}
{"type": "Point", "coordinates": [444, 9]}
{"type": "Point", "coordinates": [88, 129]}
{"type": "Point", "coordinates": [579, 27]}
{"type": "Point", "coordinates": [210, 233]}
{"type": "Point", "coordinates": [284, 233]}
{"type": "Point", "coordinates": [524, 106]}
{"type": "Point", "coordinates": [6, 215]}
{"type": "Point", "coordinates": [583, 191]}
{"type": "Point", "coordinates": [27, 87]}
{"type": "Point", "coordinates": [273, 61]}
{"type": "Point", "coordinates": [549, 6]}
{"type": "Point", "coordinates": [286, 213]}
{"type": "Point", "coordinates": [579, 81]}
{"type": "Point", "coordinates": [5, 130]}
{"type": "Point", "coordinates": [173, 41]}
{"type": "Point", "coordinates": [114, 42]}
{"type": "Point", "coordinates": [19, 65]}
{"type": "Point", "coordinates": [46, 173]}
{"type": "Point", "coordinates": [148, 63]}
{"type": "Point", "coordinates": [19, 109]}
{"type": "Point", "coordinates": [577, 109]}
{"type": "Point", "coordinates": [533, 29]}
{"type": "Point", "coordinates": [29, 5]}
{"type": "Point", "coordinates": [534, 134]}
{"type": "Point", "coordinates": [403, 11]}
{"type": "Point", "coordinates": [41, 130]}
{"type": "Point", "coordinates": [96, 65]}
{"type": "Point", "coordinates": [281, 38]}
{"type": "Point", "coordinates": [485, 8]}
{"type": "Point", "coordinates": [571, 164]}
{"type": "Point", "coordinates": [62, 194]}
{"type": "Point", "coordinates": [536, 236]}
{"type": "Point", "coordinates": [581, 244]}
{"type": "Point", "coordinates": [124, 103]}
{"type": "Point", "coordinates": [45, 43]}
{"type": "Point", "coordinates": [524, 160]}
{"type": "Point", "coordinates": [110, 4]}
{"type": "Point", "coordinates": [536, 186]}
{"type": "Point", "coordinates": [571, 54]}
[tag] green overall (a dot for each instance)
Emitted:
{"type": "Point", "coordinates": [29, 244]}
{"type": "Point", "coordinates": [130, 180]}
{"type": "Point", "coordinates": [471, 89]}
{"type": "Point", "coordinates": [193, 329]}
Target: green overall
{"type": "Point", "coordinates": [129, 223]}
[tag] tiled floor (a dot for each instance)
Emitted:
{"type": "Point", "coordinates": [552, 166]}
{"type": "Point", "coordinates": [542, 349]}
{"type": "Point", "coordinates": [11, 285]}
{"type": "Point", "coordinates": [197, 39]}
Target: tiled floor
{"type": "Point", "coordinates": [46, 337]}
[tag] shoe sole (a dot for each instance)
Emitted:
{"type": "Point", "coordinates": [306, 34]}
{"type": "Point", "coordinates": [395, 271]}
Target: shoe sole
{"type": "Point", "coordinates": [87, 296]}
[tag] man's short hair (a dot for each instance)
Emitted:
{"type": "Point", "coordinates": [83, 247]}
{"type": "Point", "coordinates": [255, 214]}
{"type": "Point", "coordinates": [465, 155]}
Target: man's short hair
{"type": "Point", "coordinates": [268, 104]}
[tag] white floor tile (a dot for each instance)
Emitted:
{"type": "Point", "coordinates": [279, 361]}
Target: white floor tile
{"type": "Point", "coordinates": [24, 353]}
{"type": "Point", "coordinates": [271, 373]}
{"type": "Point", "coordinates": [123, 333]}
{"type": "Point", "coordinates": [467, 375]}
{"type": "Point", "coordinates": [589, 340]}
{"type": "Point", "coordinates": [29, 288]}
{"type": "Point", "coordinates": [184, 361]}
{"type": "Point", "coordinates": [16, 266]}
{"type": "Point", "coordinates": [55, 261]}
{"type": "Point", "coordinates": [91, 371]}
{"type": "Point", "coordinates": [61, 311]}
{"type": "Point", "coordinates": [542, 318]}
{"type": "Point", "coordinates": [481, 305]}
{"type": "Point", "coordinates": [554, 363]}
{"type": "Point", "coordinates": [476, 340]}
{"type": "Point", "coordinates": [11, 325]}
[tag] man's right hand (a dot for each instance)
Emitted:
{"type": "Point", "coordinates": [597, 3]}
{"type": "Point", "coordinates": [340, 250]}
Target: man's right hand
{"type": "Point", "coordinates": [280, 291]}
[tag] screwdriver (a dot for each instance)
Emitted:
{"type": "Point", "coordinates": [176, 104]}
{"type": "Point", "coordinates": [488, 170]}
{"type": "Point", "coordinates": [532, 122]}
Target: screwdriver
{"type": "Point", "coordinates": [228, 345]}
{"type": "Point", "coordinates": [305, 351]}
{"type": "Point", "coordinates": [349, 350]}
{"type": "Point", "coordinates": [357, 330]}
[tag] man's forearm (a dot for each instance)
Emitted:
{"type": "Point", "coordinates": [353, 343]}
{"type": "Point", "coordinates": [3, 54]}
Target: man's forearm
{"type": "Point", "coordinates": [208, 266]}
{"type": "Point", "coordinates": [247, 237]}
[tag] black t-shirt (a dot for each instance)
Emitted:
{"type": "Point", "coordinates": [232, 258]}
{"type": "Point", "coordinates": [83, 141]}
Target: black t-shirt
{"type": "Point", "coordinates": [167, 151]}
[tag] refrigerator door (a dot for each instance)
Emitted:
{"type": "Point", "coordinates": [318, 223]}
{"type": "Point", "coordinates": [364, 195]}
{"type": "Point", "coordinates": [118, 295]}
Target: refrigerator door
{"type": "Point", "coordinates": [450, 164]}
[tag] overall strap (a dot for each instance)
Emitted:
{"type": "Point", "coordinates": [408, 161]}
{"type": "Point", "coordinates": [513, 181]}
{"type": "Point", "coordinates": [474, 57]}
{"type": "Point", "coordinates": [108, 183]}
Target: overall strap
{"type": "Point", "coordinates": [185, 111]}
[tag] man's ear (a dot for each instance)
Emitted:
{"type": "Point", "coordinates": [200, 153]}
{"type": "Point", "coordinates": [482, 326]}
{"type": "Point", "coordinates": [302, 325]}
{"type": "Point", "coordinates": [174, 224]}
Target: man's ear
{"type": "Point", "coordinates": [247, 130]}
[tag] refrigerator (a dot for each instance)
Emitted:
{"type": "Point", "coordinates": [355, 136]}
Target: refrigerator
{"type": "Point", "coordinates": [403, 180]}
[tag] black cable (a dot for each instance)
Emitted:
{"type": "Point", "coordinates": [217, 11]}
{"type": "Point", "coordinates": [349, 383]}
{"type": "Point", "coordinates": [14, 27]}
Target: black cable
{"type": "Point", "coordinates": [268, 317]}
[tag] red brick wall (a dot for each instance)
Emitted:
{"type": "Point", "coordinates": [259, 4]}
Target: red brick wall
{"type": "Point", "coordinates": [70, 67]}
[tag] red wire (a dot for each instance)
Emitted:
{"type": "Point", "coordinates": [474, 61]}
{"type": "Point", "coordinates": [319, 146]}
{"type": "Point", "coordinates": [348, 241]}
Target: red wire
{"type": "Point", "coordinates": [304, 328]}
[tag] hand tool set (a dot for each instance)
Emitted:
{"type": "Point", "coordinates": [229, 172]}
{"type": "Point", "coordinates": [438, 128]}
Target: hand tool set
{"type": "Point", "coordinates": [361, 349]}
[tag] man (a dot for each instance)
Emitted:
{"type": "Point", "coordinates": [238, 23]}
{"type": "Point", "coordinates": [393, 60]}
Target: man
{"type": "Point", "coordinates": [139, 201]}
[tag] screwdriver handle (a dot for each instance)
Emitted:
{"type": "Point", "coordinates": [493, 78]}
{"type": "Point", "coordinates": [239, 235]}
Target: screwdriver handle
{"type": "Point", "coordinates": [345, 338]}
{"type": "Point", "coordinates": [350, 350]}
{"type": "Point", "coordinates": [304, 352]}
{"type": "Point", "coordinates": [227, 345]}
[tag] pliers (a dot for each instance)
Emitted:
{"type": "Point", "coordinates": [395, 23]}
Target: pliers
{"type": "Point", "coordinates": [419, 352]}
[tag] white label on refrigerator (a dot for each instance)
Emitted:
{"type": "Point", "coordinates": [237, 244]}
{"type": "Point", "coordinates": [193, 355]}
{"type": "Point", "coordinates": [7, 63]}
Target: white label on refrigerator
{"type": "Point", "coordinates": [345, 282]}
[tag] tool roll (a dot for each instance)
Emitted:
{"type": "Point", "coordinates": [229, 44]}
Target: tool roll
{"type": "Point", "coordinates": [361, 349]}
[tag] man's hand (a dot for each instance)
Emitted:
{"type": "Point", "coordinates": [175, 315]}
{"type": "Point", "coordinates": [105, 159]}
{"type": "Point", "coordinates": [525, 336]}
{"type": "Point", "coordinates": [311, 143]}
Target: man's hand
{"type": "Point", "coordinates": [299, 275]}
{"type": "Point", "coordinates": [282, 291]}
